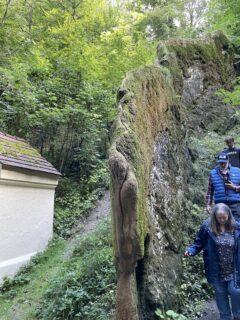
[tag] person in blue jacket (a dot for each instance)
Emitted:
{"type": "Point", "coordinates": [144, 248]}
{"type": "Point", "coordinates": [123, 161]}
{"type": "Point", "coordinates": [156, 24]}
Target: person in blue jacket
{"type": "Point", "coordinates": [219, 238]}
{"type": "Point", "coordinates": [224, 186]}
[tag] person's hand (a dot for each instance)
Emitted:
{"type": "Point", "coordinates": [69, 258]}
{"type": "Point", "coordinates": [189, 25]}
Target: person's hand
{"type": "Point", "coordinates": [187, 253]}
{"type": "Point", "coordinates": [230, 186]}
{"type": "Point", "coordinates": [209, 209]}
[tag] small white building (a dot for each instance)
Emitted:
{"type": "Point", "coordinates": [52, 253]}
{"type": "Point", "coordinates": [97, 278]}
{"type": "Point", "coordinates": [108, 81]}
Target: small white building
{"type": "Point", "coordinates": [27, 187]}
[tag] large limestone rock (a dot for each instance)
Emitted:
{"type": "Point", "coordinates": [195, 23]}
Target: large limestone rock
{"type": "Point", "coordinates": [158, 106]}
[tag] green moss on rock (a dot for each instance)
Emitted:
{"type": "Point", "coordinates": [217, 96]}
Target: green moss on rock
{"type": "Point", "coordinates": [141, 128]}
{"type": "Point", "coordinates": [210, 51]}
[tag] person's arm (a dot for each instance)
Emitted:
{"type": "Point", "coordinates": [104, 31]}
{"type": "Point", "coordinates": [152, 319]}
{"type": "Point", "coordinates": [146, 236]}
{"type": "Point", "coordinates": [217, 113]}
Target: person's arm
{"type": "Point", "coordinates": [233, 186]}
{"type": "Point", "coordinates": [198, 243]}
{"type": "Point", "coordinates": [209, 195]}
{"type": "Point", "coordinates": [237, 188]}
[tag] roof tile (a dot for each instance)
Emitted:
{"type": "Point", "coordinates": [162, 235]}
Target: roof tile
{"type": "Point", "coordinates": [17, 152]}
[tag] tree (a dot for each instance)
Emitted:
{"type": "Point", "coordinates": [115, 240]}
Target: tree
{"type": "Point", "coordinates": [194, 10]}
{"type": "Point", "coordinates": [62, 62]}
{"type": "Point", "coordinates": [225, 15]}
{"type": "Point", "coordinates": [173, 18]}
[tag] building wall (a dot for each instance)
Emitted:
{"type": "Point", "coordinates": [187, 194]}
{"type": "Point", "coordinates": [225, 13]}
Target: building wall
{"type": "Point", "coordinates": [26, 216]}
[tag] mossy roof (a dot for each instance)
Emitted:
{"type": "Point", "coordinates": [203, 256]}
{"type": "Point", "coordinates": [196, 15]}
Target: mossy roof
{"type": "Point", "coordinates": [16, 152]}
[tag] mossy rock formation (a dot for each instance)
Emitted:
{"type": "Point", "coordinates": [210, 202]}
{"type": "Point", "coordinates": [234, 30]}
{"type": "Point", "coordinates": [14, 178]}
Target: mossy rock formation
{"type": "Point", "coordinates": [150, 165]}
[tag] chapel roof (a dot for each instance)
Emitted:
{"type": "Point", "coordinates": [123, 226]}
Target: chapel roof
{"type": "Point", "coordinates": [16, 152]}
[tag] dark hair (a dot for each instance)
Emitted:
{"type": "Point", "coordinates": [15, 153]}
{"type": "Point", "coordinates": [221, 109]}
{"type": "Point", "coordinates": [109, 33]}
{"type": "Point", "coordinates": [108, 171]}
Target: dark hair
{"type": "Point", "coordinates": [229, 139]}
{"type": "Point", "coordinates": [214, 225]}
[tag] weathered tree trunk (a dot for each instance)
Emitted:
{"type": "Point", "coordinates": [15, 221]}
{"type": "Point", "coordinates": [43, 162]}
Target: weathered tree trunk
{"type": "Point", "coordinates": [124, 186]}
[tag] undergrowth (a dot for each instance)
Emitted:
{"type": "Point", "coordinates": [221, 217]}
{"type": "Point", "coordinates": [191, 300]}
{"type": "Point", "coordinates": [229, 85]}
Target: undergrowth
{"type": "Point", "coordinates": [169, 315]}
{"type": "Point", "coordinates": [75, 199]}
{"type": "Point", "coordinates": [86, 285]}
{"type": "Point", "coordinates": [10, 285]}
{"type": "Point", "coordinates": [52, 287]}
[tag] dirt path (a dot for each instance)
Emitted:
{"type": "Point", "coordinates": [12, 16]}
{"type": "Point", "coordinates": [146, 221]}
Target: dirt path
{"type": "Point", "coordinates": [209, 311]}
{"type": "Point", "coordinates": [99, 212]}
{"type": "Point", "coordinates": [83, 227]}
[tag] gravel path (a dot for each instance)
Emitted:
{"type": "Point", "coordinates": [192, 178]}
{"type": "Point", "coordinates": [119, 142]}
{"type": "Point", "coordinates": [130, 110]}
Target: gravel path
{"type": "Point", "coordinates": [98, 213]}
{"type": "Point", "coordinates": [209, 311]}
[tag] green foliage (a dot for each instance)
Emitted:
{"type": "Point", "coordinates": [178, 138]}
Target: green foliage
{"type": "Point", "coordinates": [52, 287]}
{"type": "Point", "coordinates": [224, 15]}
{"type": "Point", "coordinates": [61, 62]}
{"type": "Point", "coordinates": [194, 288]}
{"type": "Point", "coordinates": [22, 277]}
{"type": "Point", "coordinates": [74, 200]}
{"type": "Point", "coordinates": [60, 65]}
{"type": "Point", "coordinates": [85, 288]}
{"type": "Point", "coordinates": [232, 97]}
{"type": "Point", "coordinates": [98, 240]}
{"type": "Point", "coordinates": [171, 19]}
{"type": "Point", "coordinates": [170, 314]}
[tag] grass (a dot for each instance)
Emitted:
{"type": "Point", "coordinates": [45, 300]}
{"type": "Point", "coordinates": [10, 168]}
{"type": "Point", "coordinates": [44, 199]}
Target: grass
{"type": "Point", "coordinates": [55, 287]}
{"type": "Point", "coordinates": [86, 285]}
{"type": "Point", "coordinates": [20, 300]}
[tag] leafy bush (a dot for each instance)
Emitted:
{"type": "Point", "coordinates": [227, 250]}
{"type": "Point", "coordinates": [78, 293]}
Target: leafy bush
{"type": "Point", "coordinates": [64, 218]}
{"type": "Point", "coordinates": [98, 240]}
{"type": "Point", "coordinates": [232, 97]}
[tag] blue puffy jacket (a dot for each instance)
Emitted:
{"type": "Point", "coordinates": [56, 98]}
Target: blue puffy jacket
{"type": "Point", "coordinates": [222, 194]}
{"type": "Point", "coordinates": [205, 240]}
